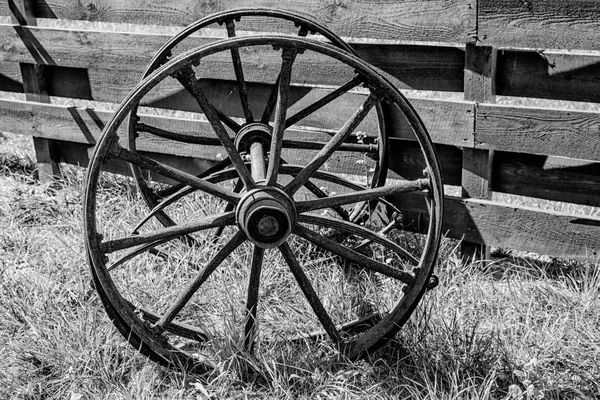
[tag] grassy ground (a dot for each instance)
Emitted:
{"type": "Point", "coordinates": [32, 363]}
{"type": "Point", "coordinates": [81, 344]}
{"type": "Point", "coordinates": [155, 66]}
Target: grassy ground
{"type": "Point", "coordinates": [516, 329]}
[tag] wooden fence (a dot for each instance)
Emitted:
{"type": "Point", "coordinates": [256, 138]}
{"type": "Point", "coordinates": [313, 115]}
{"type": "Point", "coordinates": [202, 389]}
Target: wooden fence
{"type": "Point", "coordinates": [546, 49]}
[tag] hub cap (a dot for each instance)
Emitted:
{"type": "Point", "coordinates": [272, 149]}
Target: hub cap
{"type": "Point", "coordinates": [266, 215]}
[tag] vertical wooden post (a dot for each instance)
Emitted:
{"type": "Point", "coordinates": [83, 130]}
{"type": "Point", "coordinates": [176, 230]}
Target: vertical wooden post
{"type": "Point", "coordinates": [480, 86]}
{"type": "Point", "coordinates": [34, 85]}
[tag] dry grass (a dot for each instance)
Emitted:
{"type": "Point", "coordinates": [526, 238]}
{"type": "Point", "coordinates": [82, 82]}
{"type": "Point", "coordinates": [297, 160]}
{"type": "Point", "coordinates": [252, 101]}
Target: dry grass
{"type": "Point", "coordinates": [517, 328]}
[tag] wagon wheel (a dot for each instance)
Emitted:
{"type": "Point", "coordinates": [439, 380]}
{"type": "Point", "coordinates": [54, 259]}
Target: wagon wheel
{"type": "Point", "coordinates": [179, 313]}
{"type": "Point", "coordinates": [228, 20]}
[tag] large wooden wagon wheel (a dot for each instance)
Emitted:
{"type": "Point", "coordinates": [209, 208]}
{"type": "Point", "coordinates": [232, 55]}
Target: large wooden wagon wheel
{"type": "Point", "coordinates": [228, 20]}
{"type": "Point", "coordinates": [270, 250]}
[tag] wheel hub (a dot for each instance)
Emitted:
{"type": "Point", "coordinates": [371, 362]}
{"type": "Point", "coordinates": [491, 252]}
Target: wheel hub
{"type": "Point", "coordinates": [251, 133]}
{"type": "Point", "coordinates": [266, 215]}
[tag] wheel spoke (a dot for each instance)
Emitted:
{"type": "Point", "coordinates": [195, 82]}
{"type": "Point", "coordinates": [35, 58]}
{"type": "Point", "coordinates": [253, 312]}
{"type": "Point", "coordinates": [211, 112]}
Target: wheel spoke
{"type": "Point", "coordinates": [310, 294]}
{"type": "Point", "coordinates": [177, 187]}
{"type": "Point", "coordinates": [194, 285]}
{"type": "Point", "coordinates": [162, 205]}
{"type": "Point", "coordinates": [187, 77]}
{"type": "Point", "coordinates": [173, 173]}
{"type": "Point", "coordinates": [331, 146]}
{"type": "Point", "coordinates": [288, 55]}
{"type": "Point", "coordinates": [178, 328]}
{"type": "Point", "coordinates": [323, 101]}
{"type": "Point", "coordinates": [252, 299]}
{"type": "Point", "coordinates": [357, 230]}
{"type": "Point", "coordinates": [134, 253]}
{"type": "Point", "coordinates": [171, 232]}
{"type": "Point", "coordinates": [351, 255]}
{"type": "Point", "coordinates": [364, 195]}
{"type": "Point", "coordinates": [151, 248]}
{"type": "Point", "coordinates": [179, 137]}
{"type": "Point", "coordinates": [239, 73]}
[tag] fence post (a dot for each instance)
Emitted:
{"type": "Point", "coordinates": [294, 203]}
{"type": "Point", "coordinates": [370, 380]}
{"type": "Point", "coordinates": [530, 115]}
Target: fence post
{"type": "Point", "coordinates": [34, 86]}
{"type": "Point", "coordinates": [480, 86]}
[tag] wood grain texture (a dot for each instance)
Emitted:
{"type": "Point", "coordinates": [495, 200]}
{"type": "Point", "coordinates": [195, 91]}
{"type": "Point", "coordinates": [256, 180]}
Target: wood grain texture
{"type": "Point", "coordinates": [407, 162]}
{"type": "Point", "coordinates": [546, 24]}
{"type": "Point", "coordinates": [476, 177]}
{"type": "Point", "coordinates": [433, 20]}
{"type": "Point", "coordinates": [559, 75]}
{"type": "Point", "coordinates": [82, 125]}
{"type": "Point", "coordinates": [574, 134]}
{"type": "Point", "coordinates": [10, 77]}
{"type": "Point", "coordinates": [557, 234]}
{"type": "Point", "coordinates": [414, 66]}
{"type": "Point", "coordinates": [551, 178]}
{"type": "Point", "coordinates": [448, 122]}
{"type": "Point", "coordinates": [35, 89]}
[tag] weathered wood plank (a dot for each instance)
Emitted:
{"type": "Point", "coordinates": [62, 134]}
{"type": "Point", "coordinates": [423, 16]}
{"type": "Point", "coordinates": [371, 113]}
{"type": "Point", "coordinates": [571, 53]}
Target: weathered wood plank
{"type": "Point", "coordinates": [414, 66]}
{"type": "Point", "coordinates": [544, 131]}
{"type": "Point", "coordinates": [81, 125]}
{"type": "Point", "coordinates": [448, 122]}
{"type": "Point", "coordinates": [561, 75]}
{"type": "Point", "coordinates": [434, 20]}
{"type": "Point", "coordinates": [34, 87]}
{"type": "Point", "coordinates": [546, 24]}
{"type": "Point", "coordinates": [10, 77]}
{"type": "Point", "coordinates": [476, 179]}
{"type": "Point", "coordinates": [551, 178]}
{"type": "Point", "coordinates": [480, 86]}
{"type": "Point", "coordinates": [557, 234]}
{"type": "Point", "coordinates": [406, 161]}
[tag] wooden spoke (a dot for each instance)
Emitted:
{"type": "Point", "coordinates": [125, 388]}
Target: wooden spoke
{"type": "Point", "coordinates": [178, 328]}
{"type": "Point", "coordinates": [331, 146]}
{"type": "Point", "coordinates": [194, 285]}
{"type": "Point", "coordinates": [350, 328]}
{"type": "Point", "coordinates": [270, 106]}
{"type": "Point", "coordinates": [353, 256]}
{"type": "Point", "coordinates": [187, 77]}
{"type": "Point", "coordinates": [177, 187]}
{"type": "Point", "coordinates": [162, 205]}
{"type": "Point", "coordinates": [364, 195]}
{"type": "Point", "coordinates": [171, 232]}
{"type": "Point", "coordinates": [357, 230]}
{"type": "Point", "coordinates": [323, 101]}
{"type": "Point", "coordinates": [310, 294]}
{"type": "Point", "coordinates": [252, 299]}
{"type": "Point", "coordinates": [179, 137]}
{"type": "Point", "coordinates": [314, 189]}
{"type": "Point", "coordinates": [288, 55]}
{"type": "Point", "coordinates": [173, 173]}
{"type": "Point", "coordinates": [138, 251]}
{"type": "Point", "coordinates": [150, 248]}
{"type": "Point", "coordinates": [239, 73]}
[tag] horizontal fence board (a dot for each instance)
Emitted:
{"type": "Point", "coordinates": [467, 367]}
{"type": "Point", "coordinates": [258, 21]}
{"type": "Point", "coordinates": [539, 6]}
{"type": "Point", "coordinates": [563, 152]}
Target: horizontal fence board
{"type": "Point", "coordinates": [522, 228]}
{"type": "Point", "coordinates": [564, 133]}
{"type": "Point", "coordinates": [549, 74]}
{"type": "Point", "coordinates": [406, 161]}
{"type": "Point", "coordinates": [547, 24]}
{"type": "Point", "coordinates": [414, 66]}
{"type": "Point", "coordinates": [81, 125]}
{"type": "Point", "coordinates": [433, 20]}
{"type": "Point", "coordinates": [448, 122]}
{"type": "Point", "coordinates": [550, 178]}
